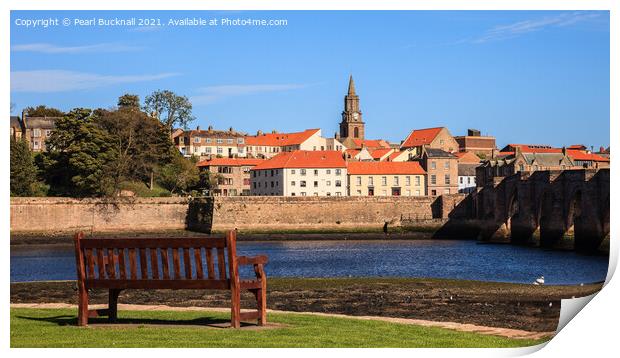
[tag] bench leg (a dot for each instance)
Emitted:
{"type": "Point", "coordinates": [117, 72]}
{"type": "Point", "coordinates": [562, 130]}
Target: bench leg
{"type": "Point", "coordinates": [82, 306]}
{"type": "Point", "coordinates": [235, 311]}
{"type": "Point", "coordinates": [261, 303]}
{"type": "Point", "coordinates": [113, 304]}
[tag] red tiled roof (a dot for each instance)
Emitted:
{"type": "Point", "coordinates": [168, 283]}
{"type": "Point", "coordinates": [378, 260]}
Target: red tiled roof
{"type": "Point", "coordinates": [230, 162]}
{"type": "Point", "coordinates": [420, 137]}
{"type": "Point", "coordinates": [394, 155]}
{"type": "Point", "coordinates": [304, 159]}
{"type": "Point", "coordinates": [370, 168]}
{"type": "Point", "coordinates": [380, 153]}
{"type": "Point", "coordinates": [577, 147]}
{"type": "Point", "coordinates": [280, 139]}
{"type": "Point", "coordinates": [467, 158]}
{"type": "Point", "coordinates": [371, 143]}
{"type": "Point", "coordinates": [580, 155]}
{"type": "Point", "coordinates": [352, 152]}
{"type": "Point", "coordinates": [531, 148]}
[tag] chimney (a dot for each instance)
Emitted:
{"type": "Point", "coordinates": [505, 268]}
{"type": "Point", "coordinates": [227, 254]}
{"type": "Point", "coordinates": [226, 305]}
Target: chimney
{"type": "Point", "coordinates": [197, 128]}
{"type": "Point", "coordinates": [274, 131]}
{"type": "Point", "coordinates": [230, 129]}
{"type": "Point", "coordinates": [259, 132]}
{"type": "Point", "coordinates": [564, 150]}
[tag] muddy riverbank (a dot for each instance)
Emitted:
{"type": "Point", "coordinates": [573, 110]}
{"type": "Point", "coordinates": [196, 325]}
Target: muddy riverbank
{"type": "Point", "coordinates": [519, 306]}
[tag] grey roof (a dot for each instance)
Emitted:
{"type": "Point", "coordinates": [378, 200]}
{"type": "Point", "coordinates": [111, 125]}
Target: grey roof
{"type": "Point", "coordinates": [546, 159]}
{"type": "Point", "coordinates": [468, 170]}
{"type": "Point", "coordinates": [438, 153]}
{"type": "Point", "coordinates": [41, 122]}
{"type": "Point", "coordinates": [15, 122]}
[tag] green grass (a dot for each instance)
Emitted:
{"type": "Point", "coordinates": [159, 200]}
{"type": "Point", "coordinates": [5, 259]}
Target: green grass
{"type": "Point", "coordinates": [56, 328]}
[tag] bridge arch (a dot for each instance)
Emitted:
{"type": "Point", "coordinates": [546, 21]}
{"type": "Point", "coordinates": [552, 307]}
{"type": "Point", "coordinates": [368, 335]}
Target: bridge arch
{"type": "Point", "coordinates": [550, 223]}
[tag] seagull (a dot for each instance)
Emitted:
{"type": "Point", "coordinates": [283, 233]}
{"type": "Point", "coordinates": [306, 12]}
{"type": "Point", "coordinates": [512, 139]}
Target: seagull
{"type": "Point", "coordinates": [540, 281]}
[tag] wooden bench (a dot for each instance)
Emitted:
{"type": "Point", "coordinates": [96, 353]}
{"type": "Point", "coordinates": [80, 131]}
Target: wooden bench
{"type": "Point", "coordinates": [117, 264]}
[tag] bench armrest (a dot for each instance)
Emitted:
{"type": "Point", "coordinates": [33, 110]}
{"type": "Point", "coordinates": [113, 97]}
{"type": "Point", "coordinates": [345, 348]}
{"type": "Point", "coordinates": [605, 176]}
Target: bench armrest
{"type": "Point", "coordinates": [254, 260]}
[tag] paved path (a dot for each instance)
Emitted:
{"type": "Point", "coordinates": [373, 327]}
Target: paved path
{"type": "Point", "coordinates": [504, 332]}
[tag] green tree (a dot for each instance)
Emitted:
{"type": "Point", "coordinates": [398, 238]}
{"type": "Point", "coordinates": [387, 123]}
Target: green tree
{"type": "Point", "coordinates": [140, 143]}
{"type": "Point", "coordinates": [208, 181]}
{"type": "Point", "coordinates": [129, 101]}
{"type": "Point", "coordinates": [23, 171]}
{"type": "Point", "coordinates": [79, 152]}
{"type": "Point", "coordinates": [180, 176]}
{"type": "Point", "coordinates": [169, 108]}
{"type": "Point", "coordinates": [43, 111]}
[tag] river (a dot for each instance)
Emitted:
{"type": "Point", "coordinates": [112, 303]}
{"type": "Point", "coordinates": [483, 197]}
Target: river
{"type": "Point", "coordinates": [453, 259]}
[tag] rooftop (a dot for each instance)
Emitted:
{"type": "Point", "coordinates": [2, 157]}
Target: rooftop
{"type": "Point", "coordinates": [304, 159]}
{"type": "Point", "coordinates": [419, 137]}
{"type": "Point", "coordinates": [229, 162]}
{"type": "Point", "coordinates": [281, 139]}
{"type": "Point", "coordinates": [370, 168]}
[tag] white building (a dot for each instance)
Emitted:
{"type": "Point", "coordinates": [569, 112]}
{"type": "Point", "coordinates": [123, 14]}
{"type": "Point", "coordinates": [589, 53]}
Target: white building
{"type": "Point", "coordinates": [301, 173]}
{"type": "Point", "coordinates": [467, 161]}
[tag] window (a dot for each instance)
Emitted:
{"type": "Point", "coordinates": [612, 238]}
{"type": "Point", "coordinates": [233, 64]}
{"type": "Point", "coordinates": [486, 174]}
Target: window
{"type": "Point", "coordinates": [521, 167]}
{"type": "Point", "coordinates": [328, 171]}
{"type": "Point", "coordinates": [384, 192]}
{"type": "Point", "coordinates": [383, 180]}
{"type": "Point", "coordinates": [220, 141]}
{"type": "Point", "coordinates": [338, 171]}
{"type": "Point", "coordinates": [316, 194]}
{"type": "Point", "coordinates": [292, 171]}
{"type": "Point", "coordinates": [292, 194]}
{"type": "Point", "coordinates": [461, 180]}
{"type": "Point", "coordinates": [196, 149]}
{"type": "Point", "coordinates": [303, 193]}
{"type": "Point", "coordinates": [302, 183]}
{"type": "Point", "coordinates": [240, 150]}
{"type": "Point", "coordinates": [196, 139]}
{"type": "Point", "coordinates": [328, 194]}
{"type": "Point", "coordinates": [36, 132]}
{"type": "Point", "coordinates": [302, 171]}
{"type": "Point", "coordinates": [293, 183]}
{"type": "Point", "coordinates": [433, 179]}
{"type": "Point", "coordinates": [239, 140]}
{"type": "Point", "coordinates": [446, 191]}
{"type": "Point", "coordinates": [338, 183]}
{"type": "Point", "coordinates": [447, 179]}
{"type": "Point", "coordinates": [395, 181]}
{"type": "Point", "coordinates": [358, 180]}
{"type": "Point", "coordinates": [272, 184]}
{"type": "Point", "coordinates": [208, 150]}
{"type": "Point", "coordinates": [359, 192]}
{"type": "Point", "coordinates": [408, 192]}
{"type": "Point", "coordinates": [220, 150]}
{"type": "Point", "coordinates": [370, 181]}
{"type": "Point", "coordinates": [441, 142]}
{"type": "Point", "coordinates": [338, 193]}
{"type": "Point", "coordinates": [316, 172]}
{"type": "Point", "coordinates": [271, 172]}
{"type": "Point", "coordinates": [314, 147]}
{"type": "Point", "coordinates": [254, 185]}
{"type": "Point", "coordinates": [446, 165]}
{"type": "Point", "coordinates": [316, 184]}
{"type": "Point", "coordinates": [407, 180]}
{"type": "Point", "coordinates": [417, 193]}
{"type": "Point", "coordinates": [208, 140]}
{"type": "Point", "coordinates": [229, 141]}
{"type": "Point", "coordinates": [328, 183]}
{"type": "Point", "coordinates": [433, 165]}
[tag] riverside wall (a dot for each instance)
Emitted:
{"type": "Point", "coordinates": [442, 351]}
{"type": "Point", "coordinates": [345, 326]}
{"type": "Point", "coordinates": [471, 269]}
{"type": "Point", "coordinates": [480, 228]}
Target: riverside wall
{"type": "Point", "coordinates": [249, 214]}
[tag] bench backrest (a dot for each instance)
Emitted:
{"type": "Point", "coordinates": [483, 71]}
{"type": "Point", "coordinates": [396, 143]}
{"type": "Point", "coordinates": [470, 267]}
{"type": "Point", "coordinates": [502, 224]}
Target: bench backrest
{"type": "Point", "coordinates": [140, 259]}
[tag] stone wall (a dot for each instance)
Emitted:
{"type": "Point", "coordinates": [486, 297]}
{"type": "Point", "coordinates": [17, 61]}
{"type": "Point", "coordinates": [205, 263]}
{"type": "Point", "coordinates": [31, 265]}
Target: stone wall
{"type": "Point", "coordinates": [255, 214]}
{"type": "Point", "coordinates": [67, 215]}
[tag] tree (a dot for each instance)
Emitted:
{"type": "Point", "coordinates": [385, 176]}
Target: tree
{"type": "Point", "coordinates": [179, 176]}
{"type": "Point", "coordinates": [43, 111]}
{"type": "Point", "coordinates": [79, 151]}
{"type": "Point", "coordinates": [23, 171]}
{"type": "Point", "coordinates": [169, 108]}
{"type": "Point", "coordinates": [140, 143]}
{"type": "Point", "coordinates": [129, 101]}
{"type": "Point", "coordinates": [208, 181]}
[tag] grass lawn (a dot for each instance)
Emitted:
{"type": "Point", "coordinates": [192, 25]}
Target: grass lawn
{"type": "Point", "coordinates": [56, 328]}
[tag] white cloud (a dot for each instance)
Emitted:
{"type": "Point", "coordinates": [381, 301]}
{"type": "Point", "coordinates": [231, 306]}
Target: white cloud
{"type": "Point", "coordinates": [504, 32]}
{"type": "Point", "coordinates": [60, 81]}
{"type": "Point", "coordinates": [54, 49]}
{"type": "Point", "coordinates": [212, 94]}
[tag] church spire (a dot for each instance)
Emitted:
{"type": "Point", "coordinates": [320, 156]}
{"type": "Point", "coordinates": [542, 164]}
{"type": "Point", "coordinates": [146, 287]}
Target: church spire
{"type": "Point", "coordinates": [351, 86]}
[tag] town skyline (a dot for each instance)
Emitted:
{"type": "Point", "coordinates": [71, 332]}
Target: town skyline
{"type": "Point", "coordinates": [452, 84]}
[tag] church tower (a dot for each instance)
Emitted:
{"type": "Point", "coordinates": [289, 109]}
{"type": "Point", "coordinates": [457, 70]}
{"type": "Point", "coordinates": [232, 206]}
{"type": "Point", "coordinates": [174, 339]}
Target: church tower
{"type": "Point", "coordinates": [352, 125]}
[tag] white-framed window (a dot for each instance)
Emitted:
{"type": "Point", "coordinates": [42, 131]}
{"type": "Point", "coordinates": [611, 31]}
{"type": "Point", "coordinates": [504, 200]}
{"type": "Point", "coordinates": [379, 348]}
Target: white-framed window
{"type": "Point", "coordinates": [433, 179]}
{"type": "Point", "coordinates": [240, 150]}
{"type": "Point", "coordinates": [302, 171]}
{"type": "Point", "coordinates": [239, 140]}
{"type": "Point", "coordinates": [35, 145]}
{"type": "Point", "coordinates": [208, 150]}
{"type": "Point", "coordinates": [395, 181]}
{"type": "Point", "coordinates": [292, 171]}
{"type": "Point", "coordinates": [220, 141]}
{"type": "Point", "coordinates": [447, 179]}
{"type": "Point", "coordinates": [384, 181]}
{"type": "Point", "coordinates": [302, 183]}
{"type": "Point", "coordinates": [303, 193]}
{"type": "Point", "coordinates": [220, 150]}
{"type": "Point", "coordinates": [407, 180]}
{"type": "Point", "coordinates": [358, 180]}
{"type": "Point", "coordinates": [433, 165]}
{"type": "Point", "coordinates": [196, 139]}
{"type": "Point", "coordinates": [229, 141]}
{"type": "Point", "coordinates": [338, 193]}
{"type": "Point", "coordinates": [316, 172]}
{"type": "Point", "coordinates": [338, 183]}
{"type": "Point", "coordinates": [208, 140]}
{"type": "Point", "coordinates": [196, 149]}
{"type": "Point", "coordinates": [316, 194]}
{"type": "Point", "coordinates": [36, 132]}
{"type": "Point", "coordinates": [446, 191]}
{"type": "Point", "coordinates": [328, 183]}
{"type": "Point", "coordinates": [338, 171]}
{"type": "Point", "coordinates": [408, 192]}
{"type": "Point", "coordinates": [293, 183]}
{"type": "Point", "coordinates": [359, 192]}
{"type": "Point", "coordinates": [328, 171]}
{"type": "Point", "coordinates": [417, 192]}
{"type": "Point", "coordinates": [370, 181]}
{"type": "Point", "coordinates": [446, 165]}
{"type": "Point", "coordinates": [417, 180]}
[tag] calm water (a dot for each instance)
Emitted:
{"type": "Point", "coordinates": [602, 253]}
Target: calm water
{"type": "Point", "coordinates": [420, 258]}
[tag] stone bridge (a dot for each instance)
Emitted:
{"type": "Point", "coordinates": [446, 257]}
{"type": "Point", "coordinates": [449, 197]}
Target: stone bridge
{"type": "Point", "coordinates": [550, 208]}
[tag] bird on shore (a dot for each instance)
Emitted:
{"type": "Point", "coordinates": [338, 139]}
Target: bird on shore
{"type": "Point", "coordinates": [540, 281]}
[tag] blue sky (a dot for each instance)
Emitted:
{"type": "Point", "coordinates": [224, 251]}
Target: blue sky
{"type": "Point", "coordinates": [523, 76]}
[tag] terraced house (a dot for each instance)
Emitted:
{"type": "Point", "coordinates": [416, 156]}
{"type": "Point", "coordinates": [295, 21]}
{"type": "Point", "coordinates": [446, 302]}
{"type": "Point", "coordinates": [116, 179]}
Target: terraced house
{"type": "Point", "coordinates": [386, 179]}
{"type": "Point", "coordinates": [231, 175]}
{"type": "Point", "coordinates": [210, 143]}
{"type": "Point", "coordinates": [301, 173]}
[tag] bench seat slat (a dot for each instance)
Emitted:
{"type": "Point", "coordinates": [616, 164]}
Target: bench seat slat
{"type": "Point", "coordinates": [133, 267]}
{"type": "Point", "coordinates": [165, 265]}
{"type": "Point", "coordinates": [154, 263]}
{"type": "Point", "coordinates": [187, 263]}
{"type": "Point", "coordinates": [221, 264]}
{"type": "Point", "coordinates": [210, 265]}
{"type": "Point", "coordinates": [144, 273]}
{"type": "Point", "coordinates": [100, 263]}
{"type": "Point", "coordinates": [121, 264]}
{"type": "Point", "coordinates": [159, 284]}
{"type": "Point", "coordinates": [176, 263]}
{"type": "Point", "coordinates": [198, 262]}
{"type": "Point", "coordinates": [111, 263]}
{"type": "Point", "coordinates": [185, 242]}
{"type": "Point", "coordinates": [90, 262]}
